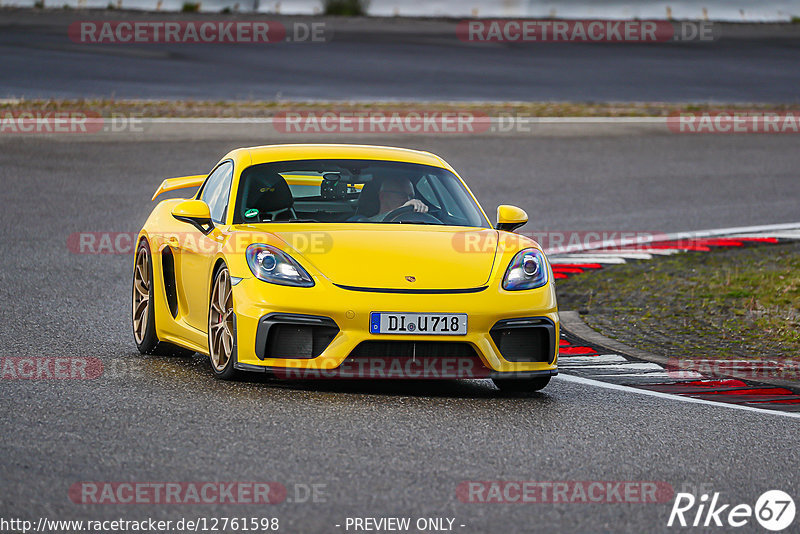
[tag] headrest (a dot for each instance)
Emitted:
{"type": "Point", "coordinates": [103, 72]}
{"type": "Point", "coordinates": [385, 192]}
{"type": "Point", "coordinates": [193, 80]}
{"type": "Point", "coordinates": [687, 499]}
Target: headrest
{"type": "Point", "coordinates": [270, 193]}
{"type": "Point", "coordinates": [368, 201]}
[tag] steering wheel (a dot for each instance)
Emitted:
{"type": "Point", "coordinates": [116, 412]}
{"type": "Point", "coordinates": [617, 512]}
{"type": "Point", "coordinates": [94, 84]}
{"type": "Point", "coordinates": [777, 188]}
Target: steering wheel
{"type": "Point", "coordinates": [398, 212]}
{"type": "Point", "coordinates": [407, 214]}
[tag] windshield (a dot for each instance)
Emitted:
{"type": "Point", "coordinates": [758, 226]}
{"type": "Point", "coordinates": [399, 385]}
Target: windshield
{"type": "Point", "coordinates": [358, 191]}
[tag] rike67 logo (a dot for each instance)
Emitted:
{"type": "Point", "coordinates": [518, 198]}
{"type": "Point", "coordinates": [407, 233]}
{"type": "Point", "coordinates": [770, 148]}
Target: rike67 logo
{"type": "Point", "coordinates": [774, 510]}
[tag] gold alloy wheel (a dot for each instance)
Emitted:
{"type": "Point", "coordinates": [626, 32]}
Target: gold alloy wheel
{"type": "Point", "coordinates": [141, 294]}
{"type": "Point", "coordinates": [220, 321]}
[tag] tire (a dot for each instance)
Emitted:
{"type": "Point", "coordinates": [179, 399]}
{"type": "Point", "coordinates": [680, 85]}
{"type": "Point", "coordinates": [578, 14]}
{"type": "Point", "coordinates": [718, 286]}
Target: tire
{"type": "Point", "coordinates": [521, 385]}
{"type": "Point", "coordinates": [222, 326]}
{"type": "Point", "coordinates": [143, 315]}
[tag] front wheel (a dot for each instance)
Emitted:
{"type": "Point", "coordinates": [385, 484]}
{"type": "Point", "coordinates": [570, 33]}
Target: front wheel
{"type": "Point", "coordinates": [521, 385]}
{"type": "Point", "coordinates": [143, 312]}
{"type": "Point", "coordinates": [222, 326]}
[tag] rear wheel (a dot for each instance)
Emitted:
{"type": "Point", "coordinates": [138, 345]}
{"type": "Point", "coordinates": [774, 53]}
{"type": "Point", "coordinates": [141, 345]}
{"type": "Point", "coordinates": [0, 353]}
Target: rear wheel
{"type": "Point", "coordinates": [222, 326]}
{"type": "Point", "coordinates": [521, 385]}
{"type": "Point", "coordinates": [143, 309]}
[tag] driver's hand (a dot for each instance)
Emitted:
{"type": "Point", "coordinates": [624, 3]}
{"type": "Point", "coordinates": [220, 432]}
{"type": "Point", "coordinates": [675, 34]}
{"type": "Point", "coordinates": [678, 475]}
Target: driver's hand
{"type": "Point", "coordinates": [419, 206]}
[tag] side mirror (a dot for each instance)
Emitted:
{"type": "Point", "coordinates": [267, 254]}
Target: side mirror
{"type": "Point", "coordinates": [196, 213]}
{"type": "Point", "coordinates": [509, 218]}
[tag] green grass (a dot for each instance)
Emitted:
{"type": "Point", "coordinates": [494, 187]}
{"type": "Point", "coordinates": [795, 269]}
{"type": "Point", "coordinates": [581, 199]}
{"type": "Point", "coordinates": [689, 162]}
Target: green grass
{"type": "Point", "coordinates": [190, 7]}
{"type": "Point", "coordinates": [742, 303]}
{"type": "Point", "coordinates": [347, 8]}
{"type": "Point", "coordinates": [269, 108]}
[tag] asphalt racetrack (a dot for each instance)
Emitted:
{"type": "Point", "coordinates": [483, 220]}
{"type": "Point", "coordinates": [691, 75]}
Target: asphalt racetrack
{"type": "Point", "coordinates": [388, 59]}
{"type": "Point", "coordinates": [378, 449]}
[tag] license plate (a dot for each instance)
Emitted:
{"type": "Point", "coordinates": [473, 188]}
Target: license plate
{"type": "Point", "coordinates": [443, 324]}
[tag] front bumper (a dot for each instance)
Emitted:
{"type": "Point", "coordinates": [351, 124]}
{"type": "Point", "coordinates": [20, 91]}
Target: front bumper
{"type": "Point", "coordinates": [258, 303]}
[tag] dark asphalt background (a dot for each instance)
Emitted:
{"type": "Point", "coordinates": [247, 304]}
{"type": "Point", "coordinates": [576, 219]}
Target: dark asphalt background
{"type": "Point", "coordinates": [386, 59]}
{"type": "Point", "coordinates": [380, 449]}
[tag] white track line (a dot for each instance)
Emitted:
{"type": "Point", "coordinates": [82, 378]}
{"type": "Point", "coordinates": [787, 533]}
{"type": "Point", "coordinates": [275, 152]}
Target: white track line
{"type": "Point", "coordinates": [629, 255]}
{"type": "Point", "coordinates": [621, 366]}
{"type": "Point", "coordinates": [641, 241]}
{"type": "Point", "coordinates": [658, 251]}
{"type": "Point", "coordinates": [720, 232]}
{"type": "Point", "coordinates": [668, 396]}
{"type": "Point", "coordinates": [784, 235]}
{"type": "Point", "coordinates": [589, 258]}
{"type": "Point", "coordinates": [580, 360]}
{"type": "Point", "coordinates": [650, 375]}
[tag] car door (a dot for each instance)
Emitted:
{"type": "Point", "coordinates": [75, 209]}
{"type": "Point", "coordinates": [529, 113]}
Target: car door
{"type": "Point", "coordinates": [197, 250]}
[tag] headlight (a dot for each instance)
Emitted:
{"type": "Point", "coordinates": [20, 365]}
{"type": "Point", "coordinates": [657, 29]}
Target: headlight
{"type": "Point", "coordinates": [528, 270]}
{"type": "Point", "coordinates": [276, 267]}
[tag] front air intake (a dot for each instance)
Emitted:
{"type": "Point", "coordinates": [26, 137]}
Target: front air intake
{"type": "Point", "coordinates": [290, 336]}
{"type": "Point", "coordinates": [525, 340]}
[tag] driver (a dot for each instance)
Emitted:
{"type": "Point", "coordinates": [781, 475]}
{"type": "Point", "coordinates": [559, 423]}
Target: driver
{"type": "Point", "coordinates": [397, 193]}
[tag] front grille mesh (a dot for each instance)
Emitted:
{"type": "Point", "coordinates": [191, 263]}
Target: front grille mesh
{"type": "Point", "coordinates": [523, 344]}
{"type": "Point", "coordinates": [409, 349]}
{"type": "Point", "coordinates": [298, 341]}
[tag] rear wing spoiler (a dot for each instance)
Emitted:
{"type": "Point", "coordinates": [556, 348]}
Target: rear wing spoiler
{"type": "Point", "coordinates": [171, 184]}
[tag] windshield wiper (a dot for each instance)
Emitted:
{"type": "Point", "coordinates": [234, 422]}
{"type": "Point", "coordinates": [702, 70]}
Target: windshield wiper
{"type": "Point", "coordinates": [296, 221]}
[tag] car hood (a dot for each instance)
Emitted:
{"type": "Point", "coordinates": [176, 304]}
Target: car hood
{"type": "Point", "coordinates": [398, 256]}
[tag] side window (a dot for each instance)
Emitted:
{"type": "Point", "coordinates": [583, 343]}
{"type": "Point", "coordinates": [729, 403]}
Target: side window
{"type": "Point", "coordinates": [217, 190]}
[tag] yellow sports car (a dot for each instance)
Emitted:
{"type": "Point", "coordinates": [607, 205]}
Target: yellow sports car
{"type": "Point", "coordinates": [344, 261]}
